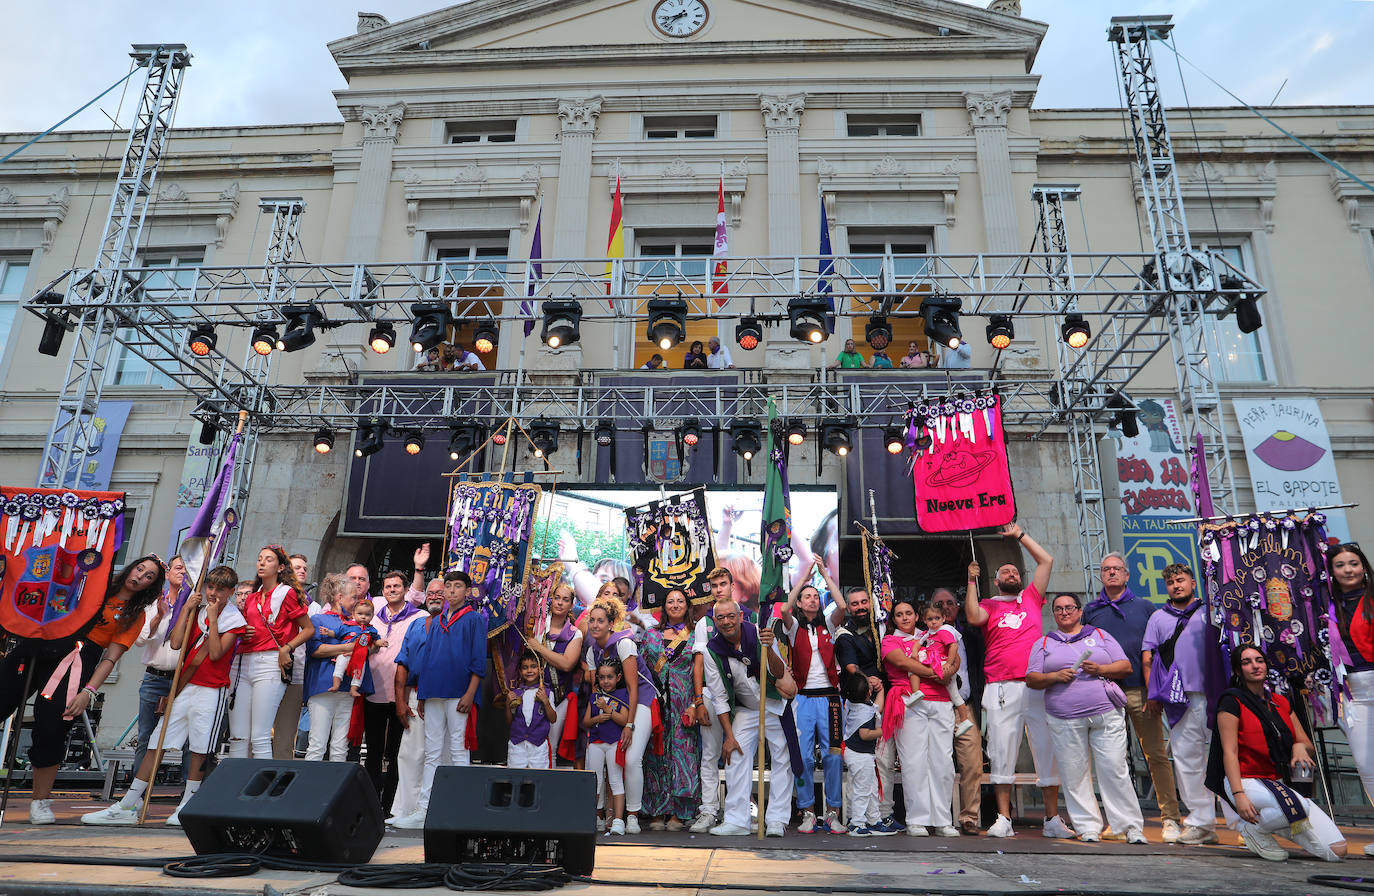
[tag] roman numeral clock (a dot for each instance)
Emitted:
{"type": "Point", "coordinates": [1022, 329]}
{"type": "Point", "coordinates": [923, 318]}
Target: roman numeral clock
{"type": "Point", "coordinates": [680, 18]}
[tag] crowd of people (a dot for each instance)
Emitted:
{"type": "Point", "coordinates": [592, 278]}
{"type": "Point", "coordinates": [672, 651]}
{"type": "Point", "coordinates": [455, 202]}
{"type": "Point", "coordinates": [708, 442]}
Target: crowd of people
{"type": "Point", "coordinates": [666, 705]}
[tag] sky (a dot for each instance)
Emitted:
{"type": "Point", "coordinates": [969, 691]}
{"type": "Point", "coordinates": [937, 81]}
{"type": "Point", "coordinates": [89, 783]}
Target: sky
{"type": "Point", "coordinates": [265, 61]}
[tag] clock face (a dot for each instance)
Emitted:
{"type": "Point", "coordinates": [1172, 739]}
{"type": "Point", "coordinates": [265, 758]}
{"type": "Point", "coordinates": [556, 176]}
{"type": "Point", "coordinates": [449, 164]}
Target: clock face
{"type": "Point", "coordinates": [680, 18]}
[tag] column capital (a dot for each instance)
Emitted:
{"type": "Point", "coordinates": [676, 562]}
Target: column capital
{"type": "Point", "coordinates": [579, 116]}
{"type": "Point", "coordinates": [782, 113]}
{"type": "Point", "coordinates": [987, 110]}
{"type": "Point", "coordinates": [382, 122]}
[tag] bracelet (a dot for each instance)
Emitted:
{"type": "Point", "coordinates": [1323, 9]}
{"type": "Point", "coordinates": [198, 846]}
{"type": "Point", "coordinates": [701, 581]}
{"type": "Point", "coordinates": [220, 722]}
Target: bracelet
{"type": "Point", "coordinates": [90, 690]}
{"type": "Point", "coordinates": [630, 727]}
{"type": "Point", "coordinates": [1021, 536]}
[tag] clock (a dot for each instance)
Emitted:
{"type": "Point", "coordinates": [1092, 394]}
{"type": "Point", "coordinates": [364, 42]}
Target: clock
{"type": "Point", "coordinates": [680, 18]}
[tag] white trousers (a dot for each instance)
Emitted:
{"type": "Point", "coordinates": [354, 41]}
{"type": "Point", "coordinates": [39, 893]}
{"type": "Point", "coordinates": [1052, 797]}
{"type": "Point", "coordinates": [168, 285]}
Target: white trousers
{"type": "Point", "coordinates": [739, 770]}
{"type": "Point", "coordinates": [526, 755]}
{"type": "Point", "coordinates": [445, 731]}
{"type": "Point", "coordinates": [1188, 741]}
{"type": "Point", "coordinates": [410, 766]}
{"type": "Point", "coordinates": [925, 744]}
{"type": "Point", "coordinates": [1316, 840]}
{"type": "Point", "coordinates": [329, 715]}
{"type": "Point", "coordinates": [710, 768]}
{"type": "Point", "coordinates": [560, 719]}
{"type": "Point", "coordinates": [609, 775]}
{"type": "Point", "coordinates": [861, 788]}
{"type": "Point", "coordinates": [634, 758]}
{"type": "Point", "coordinates": [1010, 706]}
{"type": "Point", "coordinates": [1357, 721]}
{"type": "Point", "coordinates": [886, 763]}
{"type": "Point", "coordinates": [257, 696]}
{"type": "Point", "coordinates": [1100, 740]}
{"type": "Point", "coordinates": [195, 717]}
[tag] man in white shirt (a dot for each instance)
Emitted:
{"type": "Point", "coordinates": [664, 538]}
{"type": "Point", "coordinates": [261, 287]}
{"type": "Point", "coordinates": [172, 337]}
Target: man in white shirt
{"type": "Point", "coordinates": [722, 583]}
{"type": "Point", "coordinates": [718, 357]}
{"type": "Point", "coordinates": [464, 359]}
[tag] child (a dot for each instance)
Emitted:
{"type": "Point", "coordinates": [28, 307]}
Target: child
{"type": "Point", "coordinates": [365, 642]}
{"type": "Point", "coordinates": [862, 727]}
{"type": "Point", "coordinates": [607, 714]}
{"type": "Point", "coordinates": [963, 716]}
{"type": "Point", "coordinates": [198, 709]}
{"type": "Point", "coordinates": [530, 714]}
{"type": "Point", "coordinates": [936, 650]}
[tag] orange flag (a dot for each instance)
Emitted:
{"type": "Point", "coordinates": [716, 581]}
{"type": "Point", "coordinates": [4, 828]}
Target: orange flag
{"type": "Point", "coordinates": [615, 241]}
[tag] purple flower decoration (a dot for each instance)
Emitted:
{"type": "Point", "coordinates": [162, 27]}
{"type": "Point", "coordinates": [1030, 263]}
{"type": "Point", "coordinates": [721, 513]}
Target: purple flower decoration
{"type": "Point", "coordinates": [11, 508]}
{"type": "Point", "coordinates": [70, 500]}
{"type": "Point", "coordinates": [90, 508]}
{"type": "Point", "coordinates": [52, 502]}
{"type": "Point", "coordinates": [107, 510]}
{"type": "Point", "coordinates": [30, 512]}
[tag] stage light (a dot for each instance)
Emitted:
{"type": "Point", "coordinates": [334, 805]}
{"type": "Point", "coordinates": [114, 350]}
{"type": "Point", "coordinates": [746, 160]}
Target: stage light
{"type": "Point", "coordinates": [208, 432]}
{"type": "Point", "coordinates": [430, 325]}
{"type": "Point", "coordinates": [324, 440]}
{"type": "Point", "coordinates": [605, 433]}
{"type": "Point", "coordinates": [796, 433]}
{"type": "Point", "coordinates": [264, 339]}
{"type": "Point", "coordinates": [415, 442]}
{"type": "Point", "coordinates": [940, 312]}
{"type": "Point", "coordinates": [835, 437]}
{"type": "Point", "coordinates": [202, 340]}
{"type": "Point", "coordinates": [485, 337]}
{"type": "Point", "coordinates": [544, 435]}
{"type": "Point", "coordinates": [1248, 318]}
{"type": "Point", "coordinates": [1000, 331]}
{"type": "Point", "coordinates": [691, 433]}
{"type": "Point", "coordinates": [744, 435]}
{"type": "Point", "coordinates": [894, 439]}
{"type": "Point", "coordinates": [381, 337]}
{"type": "Point", "coordinates": [499, 437]}
{"type": "Point", "coordinates": [748, 333]}
{"type": "Point", "coordinates": [562, 322]}
{"type": "Point", "coordinates": [50, 343]}
{"type": "Point", "coordinates": [371, 438]}
{"type": "Point", "coordinates": [807, 318]}
{"type": "Point", "coordinates": [1075, 330]}
{"type": "Point", "coordinates": [667, 322]}
{"type": "Point", "coordinates": [1125, 417]}
{"type": "Point", "coordinates": [301, 321]}
{"type": "Point", "coordinates": [464, 440]}
{"type": "Point", "coordinates": [877, 332]}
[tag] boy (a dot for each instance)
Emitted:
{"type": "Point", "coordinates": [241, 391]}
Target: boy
{"type": "Point", "coordinates": [365, 642]}
{"type": "Point", "coordinates": [530, 713]}
{"type": "Point", "coordinates": [861, 733]}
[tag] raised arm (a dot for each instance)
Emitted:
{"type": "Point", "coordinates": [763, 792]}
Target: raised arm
{"type": "Point", "coordinates": [1044, 562]}
{"type": "Point", "coordinates": [973, 611]}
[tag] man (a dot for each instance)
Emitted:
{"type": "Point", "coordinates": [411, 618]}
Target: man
{"type": "Point", "coordinates": [968, 743]}
{"type": "Point", "coordinates": [360, 579]}
{"type": "Point", "coordinates": [410, 759]}
{"type": "Point", "coordinates": [655, 362]}
{"type": "Point", "coordinates": [1119, 613]}
{"type": "Point", "coordinates": [732, 683]}
{"type": "Point", "coordinates": [856, 652]}
{"type": "Point", "coordinates": [722, 584]}
{"type": "Point", "coordinates": [451, 665]}
{"type": "Point", "coordinates": [381, 726]}
{"type": "Point", "coordinates": [718, 357]}
{"type": "Point", "coordinates": [816, 708]}
{"type": "Point", "coordinates": [960, 358]}
{"type": "Point", "coordinates": [1012, 622]}
{"type": "Point", "coordinates": [462, 359]}
{"type": "Point", "coordinates": [1172, 658]}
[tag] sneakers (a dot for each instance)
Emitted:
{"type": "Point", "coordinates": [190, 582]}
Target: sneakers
{"type": "Point", "coordinates": [174, 820]}
{"type": "Point", "coordinates": [808, 823]}
{"type": "Point", "coordinates": [1195, 836]}
{"type": "Point", "coordinates": [1262, 844]}
{"type": "Point", "coordinates": [860, 830]}
{"type": "Point", "coordinates": [1171, 831]}
{"type": "Point", "coordinates": [917, 830]}
{"type": "Point", "coordinates": [726, 829]}
{"type": "Point", "coordinates": [415, 821]}
{"type": "Point", "coordinates": [617, 828]}
{"type": "Point", "coordinates": [1136, 836]}
{"type": "Point", "coordinates": [631, 824]}
{"type": "Point", "coordinates": [833, 824]}
{"type": "Point", "coordinates": [947, 830]}
{"type": "Point", "coordinates": [703, 824]}
{"type": "Point", "coordinates": [1055, 829]}
{"type": "Point", "coordinates": [913, 698]}
{"type": "Point", "coordinates": [115, 814]}
{"type": "Point", "coordinates": [887, 825]}
{"type": "Point", "coordinates": [1001, 827]}
{"type": "Point", "coordinates": [1109, 834]}
{"type": "Point", "coordinates": [774, 830]}
{"type": "Point", "coordinates": [40, 812]}
{"type": "Point", "coordinates": [1088, 837]}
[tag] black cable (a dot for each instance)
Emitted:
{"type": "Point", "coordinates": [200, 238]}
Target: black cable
{"type": "Point", "coordinates": [1341, 882]}
{"type": "Point", "coordinates": [240, 865]}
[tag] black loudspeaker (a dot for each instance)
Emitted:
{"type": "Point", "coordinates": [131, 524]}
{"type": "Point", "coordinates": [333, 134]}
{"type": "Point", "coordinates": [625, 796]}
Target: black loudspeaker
{"type": "Point", "coordinates": [491, 814]}
{"type": "Point", "coordinates": [315, 811]}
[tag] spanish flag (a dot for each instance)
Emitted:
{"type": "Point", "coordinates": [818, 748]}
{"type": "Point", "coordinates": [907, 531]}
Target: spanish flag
{"type": "Point", "coordinates": [615, 241]}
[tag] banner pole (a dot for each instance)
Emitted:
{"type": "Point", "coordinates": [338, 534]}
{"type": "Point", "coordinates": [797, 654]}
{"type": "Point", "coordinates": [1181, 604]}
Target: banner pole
{"type": "Point", "coordinates": [763, 719]}
{"type": "Point", "coordinates": [13, 726]}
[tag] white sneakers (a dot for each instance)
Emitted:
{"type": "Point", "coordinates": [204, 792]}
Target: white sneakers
{"type": "Point", "coordinates": [1136, 836]}
{"type": "Point", "coordinates": [808, 823]}
{"type": "Point", "coordinates": [917, 830]}
{"type": "Point", "coordinates": [174, 820]}
{"type": "Point", "coordinates": [631, 824]}
{"type": "Point", "coordinates": [1055, 829]}
{"type": "Point", "coordinates": [947, 830]}
{"type": "Point", "coordinates": [833, 824]}
{"type": "Point", "coordinates": [963, 726]}
{"type": "Point", "coordinates": [40, 812]}
{"type": "Point", "coordinates": [115, 814]}
{"type": "Point", "coordinates": [913, 698]}
{"type": "Point", "coordinates": [1171, 831]}
{"type": "Point", "coordinates": [1088, 837]}
{"type": "Point", "coordinates": [415, 821]}
{"type": "Point", "coordinates": [1262, 844]}
{"type": "Point", "coordinates": [726, 829]}
{"type": "Point", "coordinates": [1001, 827]}
{"type": "Point", "coordinates": [1196, 836]}
{"type": "Point", "coordinates": [774, 830]}
{"type": "Point", "coordinates": [703, 824]}
{"type": "Point", "coordinates": [617, 827]}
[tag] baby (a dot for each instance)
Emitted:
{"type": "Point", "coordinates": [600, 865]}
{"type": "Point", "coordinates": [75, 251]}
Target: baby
{"type": "Point", "coordinates": [365, 642]}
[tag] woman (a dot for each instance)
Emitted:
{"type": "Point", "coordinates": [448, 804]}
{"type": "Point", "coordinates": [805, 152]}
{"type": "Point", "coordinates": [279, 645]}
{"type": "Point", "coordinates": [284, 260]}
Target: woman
{"type": "Point", "coordinates": [559, 648]}
{"type": "Point", "coordinates": [695, 359]}
{"type": "Point", "coordinates": [672, 781]}
{"type": "Point", "coordinates": [159, 659]}
{"type": "Point", "coordinates": [277, 624]}
{"type": "Point", "coordinates": [607, 636]}
{"type": "Point", "coordinates": [91, 655]}
{"type": "Point", "coordinates": [914, 357]}
{"type": "Point", "coordinates": [922, 727]}
{"type": "Point", "coordinates": [1349, 576]}
{"type": "Point", "coordinates": [1076, 667]}
{"type": "Point", "coordinates": [1258, 740]}
{"type": "Point", "coordinates": [330, 711]}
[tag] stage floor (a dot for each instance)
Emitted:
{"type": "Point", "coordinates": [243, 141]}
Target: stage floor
{"type": "Point", "coordinates": [1027, 863]}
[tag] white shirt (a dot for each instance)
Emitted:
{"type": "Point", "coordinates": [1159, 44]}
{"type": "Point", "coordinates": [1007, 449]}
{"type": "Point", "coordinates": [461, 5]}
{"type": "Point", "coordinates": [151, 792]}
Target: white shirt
{"type": "Point", "coordinates": [719, 360]}
{"type": "Point", "coordinates": [157, 648]}
{"type": "Point", "coordinates": [816, 676]}
{"type": "Point", "coordinates": [527, 704]}
{"type": "Point", "coordinates": [467, 361]}
{"type": "Point", "coordinates": [746, 688]}
{"type": "Point", "coordinates": [962, 675]}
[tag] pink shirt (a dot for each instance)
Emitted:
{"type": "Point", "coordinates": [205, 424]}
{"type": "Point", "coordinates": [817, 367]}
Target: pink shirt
{"type": "Point", "coordinates": [383, 662]}
{"type": "Point", "coordinates": [927, 648]}
{"type": "Point", "coordinates": [1012, 629]}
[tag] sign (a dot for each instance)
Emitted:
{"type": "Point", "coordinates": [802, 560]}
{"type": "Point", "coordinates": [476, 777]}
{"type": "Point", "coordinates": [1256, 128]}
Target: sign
{"type": "Point", "coordinates": [489, 527]}
{"type": "Point", "coordinates": [672, 547]}
{"type": "Point", "coordinates": [1151, 543]}
{"type": "Point", "coordinates": [1152, 470]}
{"type": "Point", "coordinates": [1288, 451]}
{"type": "Point", "coordinates": [963, 480]}
{"type": "Point", "coordinates": [91, 471]}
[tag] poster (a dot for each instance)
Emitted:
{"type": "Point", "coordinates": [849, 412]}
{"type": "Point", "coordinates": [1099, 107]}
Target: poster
{"type": "Point", "coordinates": [963, 480]}
{"type": "Point", "coordinates": [671, 547]}
{"type": "Point", "coordinates": [197, 470]}
{"type": "Point", "coordinates": [1288, 451]}
{"type": "Point", "coordinates": [490, 523]}
{"type": "Point", "coordinates": [95, 466]}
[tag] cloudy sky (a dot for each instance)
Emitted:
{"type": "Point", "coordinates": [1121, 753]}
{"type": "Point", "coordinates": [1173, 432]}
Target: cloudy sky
{"type": "Point", "coordinates": [265, 62]}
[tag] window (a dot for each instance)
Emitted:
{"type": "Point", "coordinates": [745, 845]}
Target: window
{"type": "Point", "coordinates": [909, 257]}
{"type": "Point", "coordinates": [480, 259]}
{"type": "Point", "coordinates": [179, 280]}
{"type": "Point", "coordinates": [500, 131]}
{"type": "Point", "coordinates": [674, 266]}
{"type": "Point", "coordinates": [679, 127]}
{"type": "Point", "coordinates": [12, 277]}
{"type": "Point", "coordinates": [1241, 355]}
{"type": "Point", "coordinates": [689, 258]}
{"type": "Point", "coordinates": [883, 125]}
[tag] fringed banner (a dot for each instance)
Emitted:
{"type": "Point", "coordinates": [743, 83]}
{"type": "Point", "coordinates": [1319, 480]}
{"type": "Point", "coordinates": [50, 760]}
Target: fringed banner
{"type": "Point", "coordinates": [672, 547]}
{"type": "Point", "coordinates": [962, 477]}
{"type": "Point", "coordinates": [489, 528]}
{"type": "Point", "coordinates": [877, 574]}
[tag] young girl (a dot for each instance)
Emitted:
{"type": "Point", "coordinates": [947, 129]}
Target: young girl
{"type": "Point", "coordinates": [530, 714]}
{"type": "Point", "coordinates": [862, 729]}
{"type": "Point", "coordinates": [607, 714]}
{"type": "Point", "coordinates": [365, 643]}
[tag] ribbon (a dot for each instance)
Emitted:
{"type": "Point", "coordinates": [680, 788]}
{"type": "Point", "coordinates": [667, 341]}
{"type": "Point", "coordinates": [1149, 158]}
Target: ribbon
{"type": "Point", "coordinates": [70, 669]}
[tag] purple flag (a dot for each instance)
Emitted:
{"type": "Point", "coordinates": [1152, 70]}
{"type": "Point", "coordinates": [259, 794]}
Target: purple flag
{"type": "Point", "coordinates": [537, 271]}
{"type": "Point", "coordinates": [205, 540]}
{"type": "Point", "coordinates": [827, 270]}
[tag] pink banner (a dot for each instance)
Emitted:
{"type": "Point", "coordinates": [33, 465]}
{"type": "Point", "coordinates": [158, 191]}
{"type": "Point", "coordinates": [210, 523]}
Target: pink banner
{"type": "Point", "coordinates": [963, 480]}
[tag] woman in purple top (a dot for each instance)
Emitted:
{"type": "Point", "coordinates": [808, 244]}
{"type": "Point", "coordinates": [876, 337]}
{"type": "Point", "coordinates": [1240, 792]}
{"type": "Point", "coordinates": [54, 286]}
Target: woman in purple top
{"type": "Point", "coordinates": [1076, 667]}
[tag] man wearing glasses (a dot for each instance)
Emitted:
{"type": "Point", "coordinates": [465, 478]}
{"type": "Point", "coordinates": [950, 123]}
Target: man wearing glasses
{"type": "Point", "coordinates": [1124, 616]}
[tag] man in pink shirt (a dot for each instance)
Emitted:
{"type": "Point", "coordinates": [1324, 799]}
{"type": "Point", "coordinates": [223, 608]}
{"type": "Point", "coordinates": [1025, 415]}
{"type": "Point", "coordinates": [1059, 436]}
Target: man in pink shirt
{"type": "Point", "coordinates": [381, 726]}
{"type": "Point", "coordinates": [1011, 622]}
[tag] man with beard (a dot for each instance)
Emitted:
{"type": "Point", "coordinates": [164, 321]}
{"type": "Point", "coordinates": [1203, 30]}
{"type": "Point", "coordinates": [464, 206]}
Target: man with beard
{"type": "Point", "coordinates": [856, 652]}
{"type": "Point", "coordinates": [1172, 656]}
{"type": "Point", "coordinates": [1011, 622]}
{"type": "Point", "coordinates": [722, 582]}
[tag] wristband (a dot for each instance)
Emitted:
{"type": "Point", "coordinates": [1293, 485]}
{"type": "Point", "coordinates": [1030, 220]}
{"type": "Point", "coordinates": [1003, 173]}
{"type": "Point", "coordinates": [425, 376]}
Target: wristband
{"type": "Point", "coordinates": [630, 727]}
{"type": "Point", "coordinates": [90, 690]}
{"type": "Point", "coordinates": [1021, 536]}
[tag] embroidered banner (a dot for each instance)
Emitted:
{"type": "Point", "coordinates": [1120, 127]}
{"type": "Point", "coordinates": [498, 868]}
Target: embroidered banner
{"type": "Point", "coordinates": [55, 565]}
{"type": "Point", "coordinates": [963, 480]}
{"type": "Point", "coordinates": [672, 547]}
{"type": "Point", "coordinates": [489, 527]}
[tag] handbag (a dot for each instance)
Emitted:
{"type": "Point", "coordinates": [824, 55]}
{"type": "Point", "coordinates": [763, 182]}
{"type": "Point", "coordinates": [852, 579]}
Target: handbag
{"type": "Point", "coordinates": [1114, 693]}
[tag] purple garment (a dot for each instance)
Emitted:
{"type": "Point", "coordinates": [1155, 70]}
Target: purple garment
{"type": "Point", "coordinates": [1125, 619]}
{"type": "Point", "coordinates": [535, 731]}
{"type": "Point", "coordinates": [1189, 651]}
{"type": "Point", "coordinates": [647, 692]}
{"type": "Point", "coordinates": [607, 732]}
{"type": "Point", "coordinates": [1086, 695]}
{"type": "Point", "coordinates": [560, 682]}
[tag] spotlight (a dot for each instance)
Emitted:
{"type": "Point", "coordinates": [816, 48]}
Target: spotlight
{"type": "Point", "coordinates": [1075, 330]}
{"type": "Point", "coordinates": [499, 437]}
{"type": "Point", "coordinates": [324, 440]}
{"type": "Point", "coordinates": [264, 339]}
{"type": "Point", "coordinates": [691, 433]}
{"type": "Point", "coordinates": [806, 318]}
{"type": "Point", "coordinates": [796, 433]}
{"type": "Point", "coordinates": [605, 433]}
{"type": "Point", "coordinates": [208, 432]}
{"type": "Point", "coordinates": [464, 440]}
{"type": "Point", "coordinates": [835, 437]}
{"type": "Point", "coordinates": [50, 343]}
{"type": "Point", "coordinates": [940, 312]}
{"type": "Point", "coordinates": [301, 322]}
{"type": "Point", "coordinates": [745, 437]}
{"type": "Point", "coordinates": [381, 337]}
{"type": "Point", "coordinates": [415, 442]}
{"type": "Point", "coordinates": [202, 340]}
{"type": "Point", "coordinates": [748, 333]}
{"type": "Point", "coordinates": [430, 326]}
{"type": "Point", "coordinates": [877, 332]}
{"type": "Point", "coordinates": [1248, 318]}
{"type": "Point", "coordinates": [667, 322]}
{"type": "Point", "coordinates": [371, 438]}
{"type": "Point", "coordinates": [1125, 417]}
{"type": "Point", "coordinates": [894, 439]}
{"type": "Point", "coordinates": [544, 435]}
{"type": "Point", "coordinates": [562, 322]}
{"type": "Point", "coordinates": [485, 337]}
{"type": "Point", "coordinates": [1000, 331]}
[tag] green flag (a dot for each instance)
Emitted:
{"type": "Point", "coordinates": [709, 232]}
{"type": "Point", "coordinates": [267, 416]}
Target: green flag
{"type": "Point", "coordinates": [776, 537]}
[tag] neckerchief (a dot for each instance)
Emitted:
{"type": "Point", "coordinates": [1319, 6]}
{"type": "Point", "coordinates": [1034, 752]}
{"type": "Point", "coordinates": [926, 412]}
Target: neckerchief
{"type": "Point", "coordinates": [747, 652]}
{"type": "Point", "coordinates": [407, 610]}
{"type": "Point", "coordinates": [675, 638]}
{"type": "Point", "coordinates": [1356, 632]}
{"type": "Point", "coordinates": [1102, 600]}
{"type": "Point", "coordinates": [447, 623]}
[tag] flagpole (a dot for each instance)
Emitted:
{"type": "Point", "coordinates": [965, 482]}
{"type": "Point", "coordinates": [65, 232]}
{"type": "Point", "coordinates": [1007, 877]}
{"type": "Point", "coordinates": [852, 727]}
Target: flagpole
{"type": "Point", "coordinates": [763, 719]}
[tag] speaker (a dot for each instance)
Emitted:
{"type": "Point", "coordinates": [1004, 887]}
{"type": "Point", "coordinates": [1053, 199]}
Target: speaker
{"type": "Point", "coordinates": [315, 811]}
{"type": "Point", "coordinates": [491, 814]}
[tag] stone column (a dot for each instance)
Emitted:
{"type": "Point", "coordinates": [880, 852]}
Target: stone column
{"type": "Point", "coordinates": [577, 122]}
{"type": "Point", "coordinates": [784, 357]}
{"type": "Point", "coordinates": [988, 115]}
{"type": "Point", "coordinates": [380, 127]}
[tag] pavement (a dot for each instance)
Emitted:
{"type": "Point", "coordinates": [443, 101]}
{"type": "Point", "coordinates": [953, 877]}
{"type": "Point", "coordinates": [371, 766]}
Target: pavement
{"type": "Point", "coordinates": [667, 863]}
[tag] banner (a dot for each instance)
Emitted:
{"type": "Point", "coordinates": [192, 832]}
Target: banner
{"type": "Point", "coordinates": [56, 561]}
{"type": "Point", "coordinates": [775, 536]}
{"type": "Point", "coordinates": [1288, 450]}
{"type": "Point", "coordinates": [877, 574]}
{"type": "Point", "coordinates": [672, 547]}
{"type": "Point", "coordinates": [489, 527]}
{"type": "Point", "coordinates": [963, 480]}
{"type": "Point", "coordinates": [107, 427]}
{"type": "Point", "coordinates": [208, 534]}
